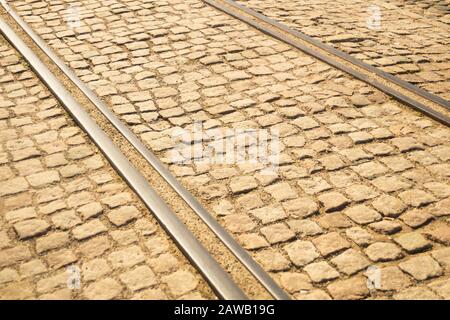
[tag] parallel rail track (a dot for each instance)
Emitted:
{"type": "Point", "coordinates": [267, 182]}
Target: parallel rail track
{"type": "Point", "coordinates": [408, 94]}
{"type": "Point", "coordinates": [217, 277]}
{"type": "Point", "coordinates": [219, 280]}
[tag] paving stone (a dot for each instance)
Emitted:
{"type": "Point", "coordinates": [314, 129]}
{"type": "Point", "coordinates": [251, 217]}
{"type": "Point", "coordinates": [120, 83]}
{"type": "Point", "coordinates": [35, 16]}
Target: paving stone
{"type": "Point", "coordinates": [180, 282]}
{"type": "Point", "coordinates": [269, 214]}
{"type": "Point", "coordinates": [150, 294]}
{"type": "Point", "coordinates": [441, 287]}
{"type": "Point", "coordinates": [393, 279]}
{"type": "Point", "coordinates": [370, 170]}
{"type": "Point", "coordinates": [355, 154]}
{"type": "Point", "coordinates": [386, 227]}
{"type": "Point", "coordinates": [421, 268]}
{"type": "Point", "coordinates": [360, 137]}
{"type": "Point", "coordinates": [306, 123]}
{"type": "Point", "coordinates": [301, 207]}
{"type": "Point", "coordinates": [332, 162]}
{"type": "Point", "coordinates": [90, 210]}
{"type": "Point", "coordinates": [330, 243]}
{"type": "Point", "coordinates": [305, 227]}
{"type": "Point", "coordinates": [349, 289]}
{"type": "Point", "coordinates": [314, 185]}
{"type": "Point", "coordinates": [14, 186]}
{"type": "Point", "coordinates": [105, 289]}
{"type": "Point", "coordinates": [250, 201]}
{"type": "Point", "coordinates": [334, 220]}
{"type": "Point", "coordinates": [442, 256]}
{"type": "Point", "coordinates": [313, 295]}
{"type": "Point", "coordinates": [252, 241]}
{"type": "Point", "coordinates": [390, 184]}
{"type": "Point", "coordinates": [278, 232]}
{"type": "Point", "coordinates": [397, 164]}
{"type": "Point", "coordinates": [362, 214]}
{"type": "Point", "coordinates": [413, 242]}
{"type": "Point", "coordinates": [301, 252]}
{"type": "Point", "coordinates": [53, 241]}
{"type": "Point", "coordinates": [8, 275]}
{"type": "Point", "coordinates": [117, 200]}
{"type": "Point", "coordinates": [416, 197]}
{"type": "Point", "coordinates": [379, 149]}
{"type": "Point", "coordinates": [383, 251]}
{"type": "Point", "coordinates": [360, 236]}
{"type": "Point", "coordinates": [418, 293]}
{"type": "Point", "coordinates": [321, 272]}
{"type": "Point", "coordinates": [416, 218]}
{"type": "Point", "coordinates": [239, 223]}
{"type": "Point", "coordinates": [32, 268]}
{"type": "Point", "coordinates": [405, 144]}
{"type": "Point", "coordinates": [389, 206]}
{"type": "Point", "coordinates": [440, 190]}
{"type": "Point", "coordinates": [123, 215]}
{"type": "Point", "coordinates": [295, 282]}
{"type": "Point", "coordinates": [17, 291]}
{"type": "Point", "coordinates": [281, 191]}
{"type": "Point", "coordinates": [20, 214]}
{"type": "Point", "coordinates": [125, 237]}
{"type": "Point", "coordinates": [31, 228]}
{"type": "Point", "coordinates": [243, 184]}
{"type": "Point", "coordinates": [88, 230]}
{"type": "Point", "coordinates": [139, 278]}
{"type": "Point", "coordinates": [61, 258]}
{"type": "Point", "coordinates": [350, 262]}
{"type": "Point", "coordinates": [127, 257]}
{"type": "Point", "coordinates": [65, 220]}
{"type": "Point", "coordinates": [272, 260]}
{"type": "Point", "coordinates": [440, 233]}
{"type": "Point", "coordinates": [95, 269]}
{"type": "Point", "coordinates": [333, 201]}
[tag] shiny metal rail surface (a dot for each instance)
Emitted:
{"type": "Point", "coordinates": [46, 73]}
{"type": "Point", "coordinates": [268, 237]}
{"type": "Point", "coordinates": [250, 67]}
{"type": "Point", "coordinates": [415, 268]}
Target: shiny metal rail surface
{"type": "Point", "coordinates": [295, 39]}
{"type": "Point", "coordinates": [213, 273]}
{"type": "Point", "coordinates": [241, 254]}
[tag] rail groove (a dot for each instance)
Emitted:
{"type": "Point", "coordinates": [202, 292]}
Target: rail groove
{"type": "Point", "coordinates": [328, 54]}
{"type": "Point", "coordinates": [213, 273]}
{"type": "Point", "coordinates": [235, 248]}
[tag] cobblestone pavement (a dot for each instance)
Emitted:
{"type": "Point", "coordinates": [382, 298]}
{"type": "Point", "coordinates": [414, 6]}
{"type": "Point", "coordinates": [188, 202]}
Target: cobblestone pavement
{"type": "Point", "coordinates": [70, 228]}
{"type": "Point", "coordinates": [409, 39]}
{"type": "Point", "coordinates": [363, 182]}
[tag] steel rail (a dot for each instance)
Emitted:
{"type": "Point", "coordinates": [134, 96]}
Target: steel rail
{"type": "Point", "coordinates": [217, 277]}
{"type": "Point", "coordinates": [280, 31]}
{"type": "Point", "coordinates": [341, 54]}
{"type": "Point", "coordinates": [235, 248]}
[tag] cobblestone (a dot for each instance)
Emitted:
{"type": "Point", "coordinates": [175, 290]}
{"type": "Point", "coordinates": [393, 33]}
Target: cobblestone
{"type": "Point", "coordinates": [343, 145]}
{"type": "Point", "coordinates": [417, 30]}
{"type": "Point", "coordinates": [383, 251]}
{"type": "Point", "coordinates": [421, 268]}
{"type": "Point", "coordinates": [54, 220]}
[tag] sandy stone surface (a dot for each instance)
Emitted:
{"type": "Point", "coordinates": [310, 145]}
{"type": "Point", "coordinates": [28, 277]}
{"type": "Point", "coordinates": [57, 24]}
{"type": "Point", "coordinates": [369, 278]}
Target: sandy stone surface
{"type": "Point", "coordinates": [361, 183]}
{"type": "Point", "coordinates": [70, 228]}
{"type": "Point", "coordinates": [408, 39]}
